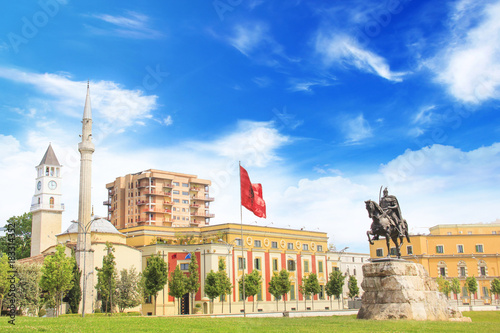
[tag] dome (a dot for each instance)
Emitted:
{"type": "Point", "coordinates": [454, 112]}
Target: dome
{"type": "Point", "coordinates": [99, 225]}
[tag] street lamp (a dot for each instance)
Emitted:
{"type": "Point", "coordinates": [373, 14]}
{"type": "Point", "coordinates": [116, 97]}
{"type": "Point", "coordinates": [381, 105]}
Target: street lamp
{"type": "Point", "coordinates": [86, 230]}
{"type": "Point", "coordinates": [228, 246]}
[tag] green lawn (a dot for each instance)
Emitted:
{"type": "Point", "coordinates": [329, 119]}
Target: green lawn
{"type": "Point", "coordinates": [481, 322]}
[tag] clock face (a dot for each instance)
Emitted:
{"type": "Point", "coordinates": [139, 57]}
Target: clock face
{"type": "Point", "coordinates": [39, 185]}
{"type": "Point", "coordinates": [52, 185]}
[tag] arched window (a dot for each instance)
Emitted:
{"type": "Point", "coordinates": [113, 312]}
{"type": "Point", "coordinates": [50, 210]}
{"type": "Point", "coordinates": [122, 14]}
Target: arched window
{"type": "Point", "coordinates": [51, 202]}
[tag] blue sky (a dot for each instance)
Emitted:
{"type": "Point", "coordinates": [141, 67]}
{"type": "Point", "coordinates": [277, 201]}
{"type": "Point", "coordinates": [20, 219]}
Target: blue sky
{"type": "Point", "coordinates": [322, 102]}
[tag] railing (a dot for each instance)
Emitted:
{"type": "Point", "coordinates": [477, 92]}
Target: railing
{"type": "Point", "coordinates": [203, 214]}
{"type": "Point", "coordinates": [195, 189]}
{"type": "Point", "coordinates": [206, 198]}
{"type": "Point", "coordinates": [106, 203]}
{"type": "Point", "coordinates": [47, 206]}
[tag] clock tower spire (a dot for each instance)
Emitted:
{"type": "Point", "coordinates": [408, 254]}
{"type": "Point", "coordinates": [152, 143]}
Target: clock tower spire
{"type": "Point", "coordinates": [84, 255]}
{"type": "Point", "coordinates": [46, 207]}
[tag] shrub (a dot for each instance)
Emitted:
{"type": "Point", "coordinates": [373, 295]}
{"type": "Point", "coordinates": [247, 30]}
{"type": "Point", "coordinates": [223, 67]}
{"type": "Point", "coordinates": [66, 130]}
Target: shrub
{"type": "Point", "coordinates": [42, 313]}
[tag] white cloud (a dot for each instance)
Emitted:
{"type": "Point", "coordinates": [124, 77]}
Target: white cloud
{"type": "Point", "coordinates": [339, 49]}
{"type": "Point", "coordinates": [470, 64]}
{"type": "Point", "coordinates": [114, 107]}
{"type": "Point", "coordinates": [131, 25]}
{"type": "Point", "coordinates": [356, 129]}
{"type": "Point", "coordinates": [247, 38]}
{"type": "Point", "coordinates": [306, 85]}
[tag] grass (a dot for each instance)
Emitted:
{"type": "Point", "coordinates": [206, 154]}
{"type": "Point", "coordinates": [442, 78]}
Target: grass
{"type": "Point", "coordinates": [482, 321]}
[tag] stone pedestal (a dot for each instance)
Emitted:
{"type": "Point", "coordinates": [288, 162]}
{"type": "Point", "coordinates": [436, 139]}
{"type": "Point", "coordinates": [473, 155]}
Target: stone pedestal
{"type": "Point", "coordinates": [400, 289]}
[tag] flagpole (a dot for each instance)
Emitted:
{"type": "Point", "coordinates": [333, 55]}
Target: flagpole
{"type": "Point", "coordinates": [242, 241]}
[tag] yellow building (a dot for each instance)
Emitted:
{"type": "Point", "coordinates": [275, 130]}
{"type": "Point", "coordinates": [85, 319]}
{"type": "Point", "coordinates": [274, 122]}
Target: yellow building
{"type": "Point", "coordinates": [161, 198]}
{"type": "Point", "coordinates": [265, 249]}
{"type": "Point", "coordinates": [455, 251]}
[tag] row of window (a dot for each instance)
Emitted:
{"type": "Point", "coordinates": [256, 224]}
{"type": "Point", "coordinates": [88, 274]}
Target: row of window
{"type": "Point", "coordinates": [274, 245]}
{"type": "Point", "coordinates": [290, 265]}
{"type": "Point", "coordinates": [460, 248]}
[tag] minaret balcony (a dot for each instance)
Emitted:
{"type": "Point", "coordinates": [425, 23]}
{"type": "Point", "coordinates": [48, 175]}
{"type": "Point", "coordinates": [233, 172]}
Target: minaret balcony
{"type": "Point", "coordinates": [47, 206]}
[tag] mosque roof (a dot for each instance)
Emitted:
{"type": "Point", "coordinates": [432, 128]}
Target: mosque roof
{"type": "Point", "coordinates": [99, 225]}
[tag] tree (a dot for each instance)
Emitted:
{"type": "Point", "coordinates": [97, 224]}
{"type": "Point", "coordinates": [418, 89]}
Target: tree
{"type": "Point", "coordinates": [129, 289]}
{"type": "Point", "coordinates": [192, 281]}
{"type": "Point", "coordinates": [28, 287]}
{"type": "Point", "coordinates": [4, 277]}
{"type": "Point", "coordinates": [74, 295]}
{"type": "Point", "coordinates": [177, 285]}
{"type": "Point", "coordinates": [303, 291]}
{"type": "Point", "coordinates": [274, 288]}
{"type": "Point", "coordinates": [455, 287]}
{"type": "Point", "coordinates": [106, 279]}
{"type": "Point", "coordinates": [253, 285]}
{"type": "Point", "coordinates": [57, 276]}
{"type": "Point", "coordinates": [280, 285]}
{"type": "Point", "coordinates": [312, 286]}
{"type": "Point", "coordinates": [224, 282]}
{"type": "Point", "coordinates": [155, 276]}
{"type": "Point", "coordinates": [443, 285]}
{"type": "Point", "coordinates": [212, 287]}
{"type": "Point", "coordinates": [352, 285]}
{"type": "Point", "coordinates": [495, 287]}
{"type": "Point", "coordinates": [335, 285]}
{"type": "Point", "coordinates": [471, 285]}
{"type": "Point", "coordinates": [22, 234]}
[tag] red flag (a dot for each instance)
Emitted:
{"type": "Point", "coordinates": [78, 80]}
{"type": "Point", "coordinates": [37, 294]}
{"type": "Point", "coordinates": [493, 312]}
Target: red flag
{"type": "Point", "coordinates": [251, 195]}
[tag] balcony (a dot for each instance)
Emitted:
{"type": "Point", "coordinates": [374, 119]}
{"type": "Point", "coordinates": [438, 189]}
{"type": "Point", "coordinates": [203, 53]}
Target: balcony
{"type": "Point", "coordinates": [203, 214]}
{"type": "Point", "coordinates": [160, 193]}
{"type": "Point", "coordinates": [196, 189]}
{"type": "Point", "coordinates": [47, 206]}
{"type": "Point", "coordinates": [106, 203]}
{"type": "Point", "coordinates": [168, 203]}
{"type": "Point", "coordinates": [194, 205]}
{"type": "Point", "coordinates": [199, 197]}
{"type": "Point", "coordinates": [168, 185]}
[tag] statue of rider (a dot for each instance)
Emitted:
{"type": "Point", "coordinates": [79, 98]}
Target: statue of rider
{"type": "Point", "coordinates": [390, 206]}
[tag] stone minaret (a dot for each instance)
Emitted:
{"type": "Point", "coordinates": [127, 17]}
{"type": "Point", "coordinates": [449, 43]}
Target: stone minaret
{"type": "Point", "coordinates": [84, 255]}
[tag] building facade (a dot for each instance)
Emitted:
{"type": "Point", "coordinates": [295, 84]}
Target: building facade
{"type": "Point", "coordinates": [455, 251]}
{"type": "Point", "coordinates": [159, 198]}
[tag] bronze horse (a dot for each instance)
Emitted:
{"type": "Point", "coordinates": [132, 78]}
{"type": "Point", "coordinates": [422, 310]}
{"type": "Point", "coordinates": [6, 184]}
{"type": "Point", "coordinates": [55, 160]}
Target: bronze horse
{"type": "Point", "coordinates": [384, 226]}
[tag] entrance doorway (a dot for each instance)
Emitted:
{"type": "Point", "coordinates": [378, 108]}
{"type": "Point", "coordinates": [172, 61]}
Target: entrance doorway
{"type": "Point", "coordinates": [185, 304]}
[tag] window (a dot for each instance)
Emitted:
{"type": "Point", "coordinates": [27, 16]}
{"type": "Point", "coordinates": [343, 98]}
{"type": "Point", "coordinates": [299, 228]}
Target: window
{"type": "Point", "coordinates": [353, 259]}
{"type": "Point", "coordinates": [242, 263]}
{"type": "Point", "coordinates": [393, 251]}
{"type": "Point", "coordinates": [176, 200]}
{"type": "Point", "coordinates": [462, 272]}
{"type": "Point", "coordinates": [483, 270]}
{"type": "Point", "coordinates": [175, 183]}
{"type": "Point", "coordinates": [259, 295]}
{"type": "Point", "coordinates": [320, 267]}
{"type": "Point", "coordinates": [319, 248]}
{"type": "Point", "coordinates": [464, 291]}
{"type": "Point", "coordinates": [485, 291]}
{"type": "Point", "coordinates": [469, 232]}
{"type": "Point", "coordinates": [409, 250]}
{"type": "Point", "coordinates": [306, 266]}
{"type": "Point", "coordinates": [305, 247]}
{"type": "Point", "coordinates": [380, 252]}
{"type": "Point", "coordinates": [442, 271]}
{"type": "Point", "coordinates": [175, 192]}
{"type": "Point", "coordinates": [257, 243]}
{"type": "Point", "coordinates": [185, 185]}
{"type": "Point", "coordinates": [460, 248]}
{"type": "Point", "coordinates": [184, 267]}
{"type": "Point", "coordinates": [449, 233]}
{"type": "Point", "coordinates": [479, 248]}
{"type": "Point", "coordinates": [274, 245]}
{"type": "Point", "coordinates": [290, 246]}
{"type": "Point", "coordinates": [290, 264]}
{"type": "Point", "coordinates": [148, 300]}
{"type": "Point", "coordinates": [292, 292]}
{"type": "Point", "coordinates": [275, 264]}
{"type": "Point", "coordinates": [354, 272]}
{"type": "Point", "coordinates": [185, 193]}
{"type": "Point", "coordinates": [237, 241]}
{"type": "Point", "coordinates": [322, 292]}
{"type": "Point", "coordinates": [494, 232]}
{"type": "Point", "coordinates": [439, 249]}
{"type": "Point", "coordinates": [185, 201]}
{"type": "Point", "coordinates": [256, 264]}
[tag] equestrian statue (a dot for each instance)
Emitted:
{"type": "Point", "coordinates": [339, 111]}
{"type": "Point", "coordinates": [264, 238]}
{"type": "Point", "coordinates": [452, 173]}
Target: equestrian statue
{"type": "Point", "coordinates": [387, 222]}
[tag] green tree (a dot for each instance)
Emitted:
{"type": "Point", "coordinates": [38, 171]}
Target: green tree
{"type": "Point", "coordinates": [495, 287]}
{"type": "Point", "coordinates": [4, 277]}
{"type": "Point", "coordinates": [74, 295]}
{"type": "Point", "coordinates": [193, 279]}
{"type": "Point", "coordinates": [312, 287]}
{"type": "Point", "coordinates": [106, 279]}
{"type": "Point", "coordinates": [352, 285]}
{"type": "Point", "coordinates": [155, 276]}
{"type": "Point", "coordinates": [177, 285]}
{"type": "Point", "coordinates": [57, 276]}
{"type": "Point", "coordinates": [253, 285]}
{"type": "Point", "coordinates": [28, 287]}
{"type": "Point", "coordinates": [129, 289]}
{"type": "Point", "coordinates": [22, 234]}
{"type": "Point", "coordinates": [224, 282]}
{"type": "Point", "coordinates": [274, 288]}
{"type": "Point", "coordinates": [455, 287]}
{"type": "Point", "coordinates": [335, 285]}
{"type": "Point", "coordinates": [443, 285]}
{"type": "Point", "coordinates": [471, 285]}
{"type": "Point", "coordinates": [212, 287]}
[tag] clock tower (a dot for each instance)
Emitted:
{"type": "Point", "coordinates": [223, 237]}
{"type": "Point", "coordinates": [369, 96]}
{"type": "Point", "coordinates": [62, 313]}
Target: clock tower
{"type": "Point", "coordinates": [46, 206]}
